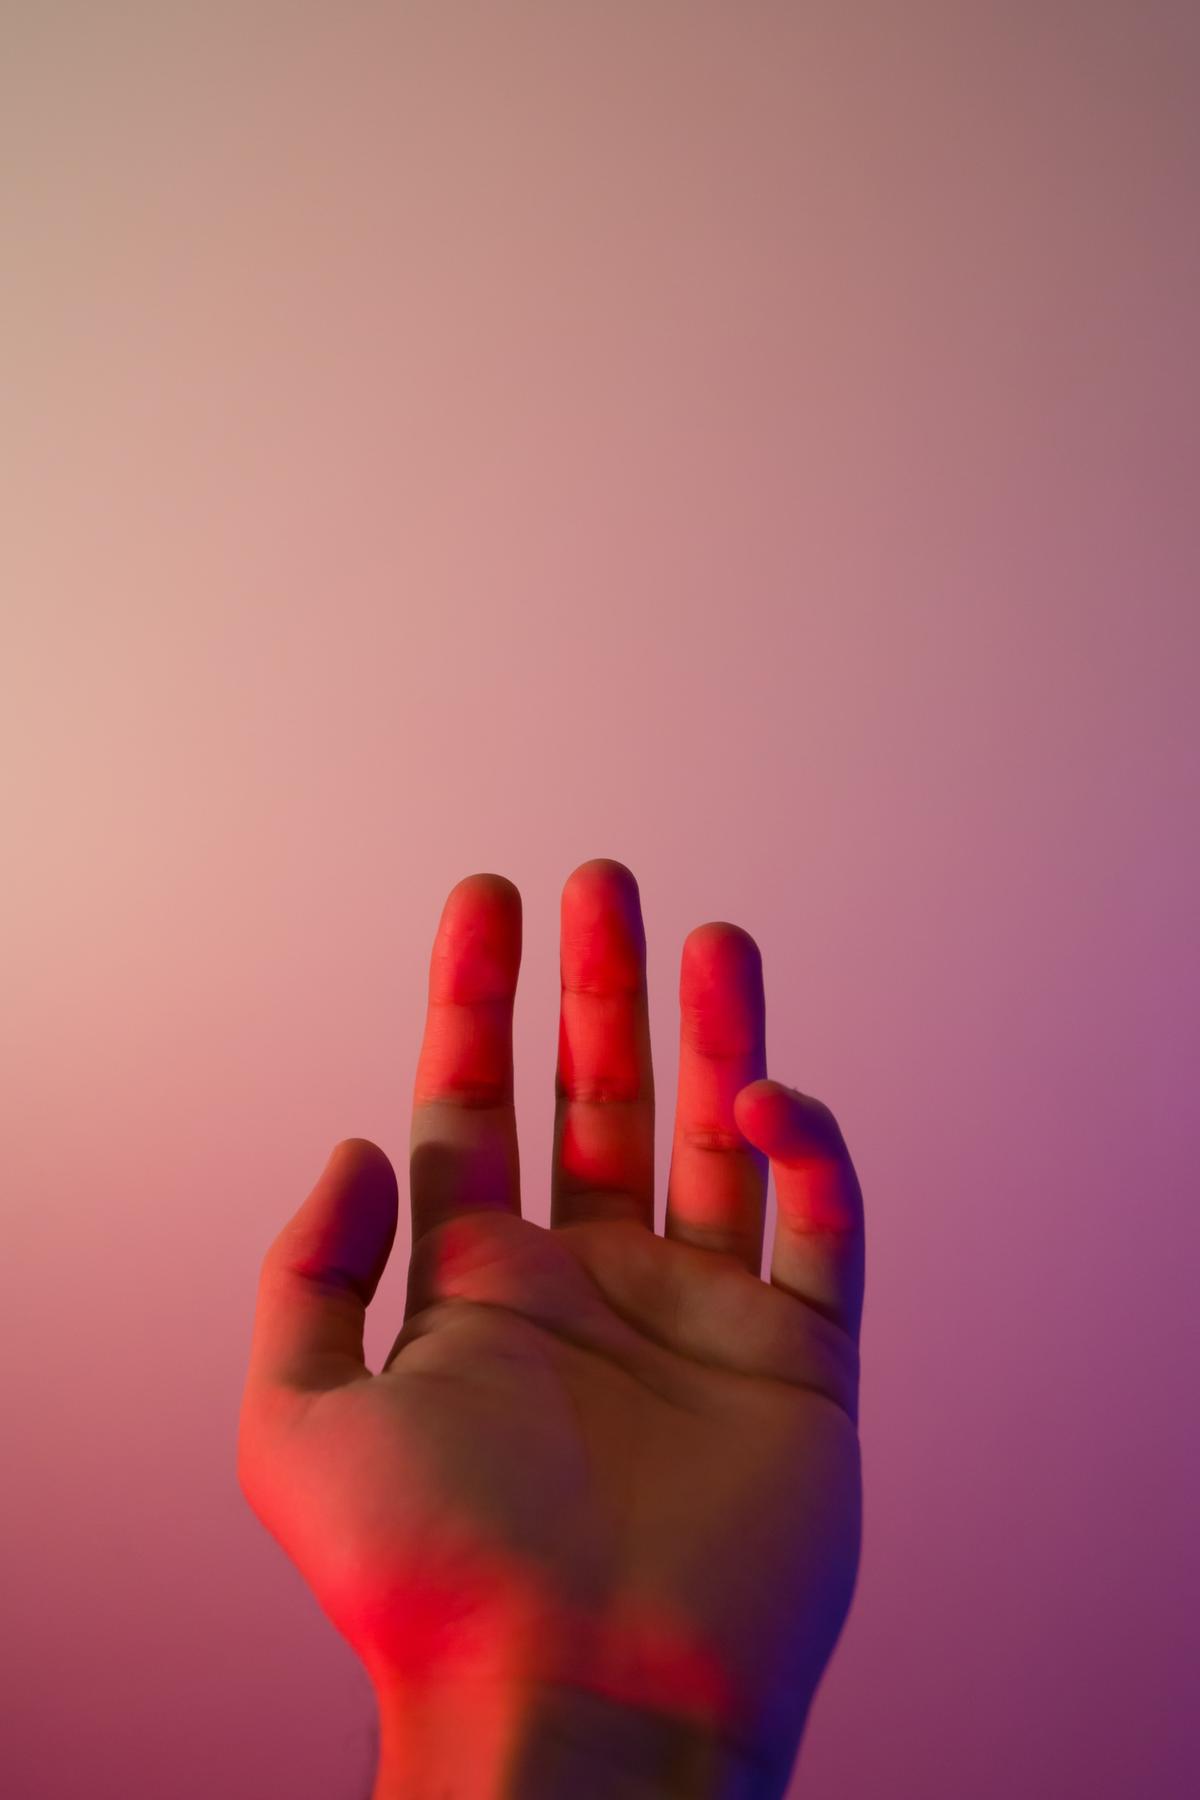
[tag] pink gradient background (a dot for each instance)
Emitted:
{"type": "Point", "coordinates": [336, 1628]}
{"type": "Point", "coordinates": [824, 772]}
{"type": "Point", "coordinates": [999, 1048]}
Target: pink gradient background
{"type": "Point", "coordinates": [757, 442]}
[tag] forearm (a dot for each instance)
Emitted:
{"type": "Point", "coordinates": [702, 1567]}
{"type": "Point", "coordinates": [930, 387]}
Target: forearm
{"type": "Point", "coordinates": [478, 1745]}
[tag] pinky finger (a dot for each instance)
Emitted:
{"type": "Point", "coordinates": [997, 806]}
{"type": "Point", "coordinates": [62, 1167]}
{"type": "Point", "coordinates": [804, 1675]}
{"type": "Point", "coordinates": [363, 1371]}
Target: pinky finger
{"type": "Point", "coordinates": [818, 1253]}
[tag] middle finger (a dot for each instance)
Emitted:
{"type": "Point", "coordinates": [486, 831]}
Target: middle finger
{"type": "Point", "coordinates": [603, 1163]}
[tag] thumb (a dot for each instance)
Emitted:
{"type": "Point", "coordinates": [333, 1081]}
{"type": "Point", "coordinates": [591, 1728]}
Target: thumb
{"type": "Point", "coordinates": [321, 1272]}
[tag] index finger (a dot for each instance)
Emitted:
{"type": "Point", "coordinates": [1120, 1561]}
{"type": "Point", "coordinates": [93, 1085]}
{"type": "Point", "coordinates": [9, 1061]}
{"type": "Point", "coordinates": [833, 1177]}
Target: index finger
{"type": "Point", "coordinates": [463, 1145]}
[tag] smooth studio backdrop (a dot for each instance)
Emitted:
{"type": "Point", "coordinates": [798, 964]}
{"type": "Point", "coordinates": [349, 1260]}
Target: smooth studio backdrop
{"type": "Point", "coordinates": [757, 442]}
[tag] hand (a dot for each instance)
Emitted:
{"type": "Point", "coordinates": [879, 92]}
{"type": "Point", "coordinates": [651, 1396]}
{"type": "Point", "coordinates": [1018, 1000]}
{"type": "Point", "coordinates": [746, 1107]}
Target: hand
{"type": "Point", "coordinates": [596, 1521]}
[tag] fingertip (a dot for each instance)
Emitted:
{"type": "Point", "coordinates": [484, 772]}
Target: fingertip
{"type": "Point", "coordinates": [358, 1156]}
{"type": "Point", "coordinates": [761, 1109]}
{"type": "Point", "coordinates": [348, 1221]}
{"type": "Point", "coordinates": [597, 884]}
{"type": "Point", "coordinates": [356, 1198]}
{"type": "Point", "coordinates": [602, 940]}
{"type": "Point", "coordinates": [761, 1089]}
{"type": "Point", "coordinates": [601, 866]}
{"type": "Point", "coordinates": [720, 941]}
{"type": "Point", "coordinates": [786, 1123]}
{"type": "Point", "coordinates": [487, 887]}
{"type": "Point", "coordinates": [489, 878]}
{"type": "Point", "coordinates": [477, 950]}
{"type": "Point", "coordinates": [722, 1001]}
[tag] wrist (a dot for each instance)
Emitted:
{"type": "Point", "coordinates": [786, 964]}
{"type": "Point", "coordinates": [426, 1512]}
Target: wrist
{"type": "Point", "coordinates": [484, 1743]}
{"type": "Point", "coordinates": [537, 1701]}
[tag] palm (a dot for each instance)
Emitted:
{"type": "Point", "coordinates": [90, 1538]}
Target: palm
{"type": "Point", "coordinates": [594, 1454]}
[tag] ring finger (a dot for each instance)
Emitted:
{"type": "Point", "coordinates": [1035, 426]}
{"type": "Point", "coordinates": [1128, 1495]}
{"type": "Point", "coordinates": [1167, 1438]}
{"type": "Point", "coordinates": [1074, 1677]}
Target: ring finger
{"type": "Point", "coordinates": [717, 1188]}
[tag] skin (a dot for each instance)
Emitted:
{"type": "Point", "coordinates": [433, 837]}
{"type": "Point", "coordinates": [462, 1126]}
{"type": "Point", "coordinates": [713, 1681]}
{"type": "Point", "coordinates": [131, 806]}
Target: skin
{"type": "Point", "coordinates": [594, 1526]}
